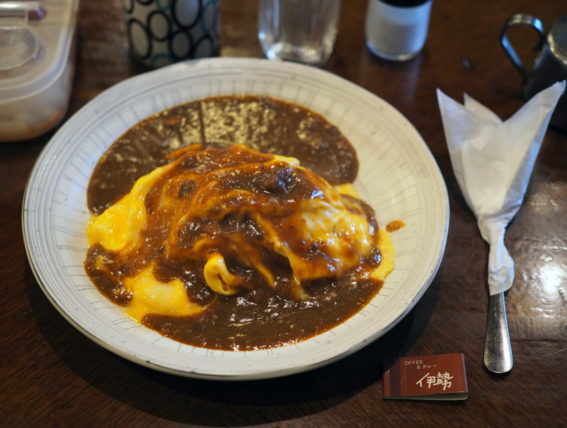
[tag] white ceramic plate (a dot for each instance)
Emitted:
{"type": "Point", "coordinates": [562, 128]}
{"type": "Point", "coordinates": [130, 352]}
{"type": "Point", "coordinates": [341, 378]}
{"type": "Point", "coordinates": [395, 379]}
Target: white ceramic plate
{"type": "Point", "coordinates": [398, 177]}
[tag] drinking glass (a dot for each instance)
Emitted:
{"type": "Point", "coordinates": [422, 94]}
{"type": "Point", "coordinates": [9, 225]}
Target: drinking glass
{"type": "Point", "coordinates": [298, 30]}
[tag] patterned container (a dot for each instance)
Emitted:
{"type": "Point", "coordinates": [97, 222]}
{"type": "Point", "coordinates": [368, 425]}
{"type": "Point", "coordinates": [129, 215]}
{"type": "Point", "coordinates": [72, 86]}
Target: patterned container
{"type": "Point", "coordinates": [161, 32]}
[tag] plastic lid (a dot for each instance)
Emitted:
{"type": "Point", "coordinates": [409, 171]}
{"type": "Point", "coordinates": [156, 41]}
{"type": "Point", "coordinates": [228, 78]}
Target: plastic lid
{"type": "Point", "coordinates": [33, 54]}
{"type": "Point", "coordinates": [18, 45]}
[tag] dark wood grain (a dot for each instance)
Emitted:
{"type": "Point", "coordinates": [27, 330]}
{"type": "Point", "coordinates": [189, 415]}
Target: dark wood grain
{"type": "Point", "coordinates": [53, 376]}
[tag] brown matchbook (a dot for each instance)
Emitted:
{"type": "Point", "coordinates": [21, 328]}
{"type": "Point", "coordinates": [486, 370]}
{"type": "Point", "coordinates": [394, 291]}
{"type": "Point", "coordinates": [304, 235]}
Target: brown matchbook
{"type": "Point", "coordinates": [432, 377]}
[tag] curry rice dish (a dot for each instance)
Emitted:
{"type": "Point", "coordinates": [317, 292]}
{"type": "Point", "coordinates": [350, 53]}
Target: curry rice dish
{"type": "Point", "coordinates": [219, 245]}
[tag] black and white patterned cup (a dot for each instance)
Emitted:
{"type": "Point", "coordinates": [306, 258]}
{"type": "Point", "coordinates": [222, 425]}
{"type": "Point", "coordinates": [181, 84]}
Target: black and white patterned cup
{"type": "Point", "coordinates": [161, 32]}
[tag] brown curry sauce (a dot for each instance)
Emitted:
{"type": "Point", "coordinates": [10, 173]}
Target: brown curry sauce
{"type": "Point", "coordinates": [258, 317]}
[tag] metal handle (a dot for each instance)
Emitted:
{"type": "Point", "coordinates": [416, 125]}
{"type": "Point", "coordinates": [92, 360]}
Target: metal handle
{"type": "Point", "coordinates": [498, 357]}
{"type": "Point", "coordinates": [520, 19]}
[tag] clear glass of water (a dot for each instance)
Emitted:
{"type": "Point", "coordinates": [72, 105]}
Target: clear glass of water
{"type": "Point", "coordinates": [298, 30]}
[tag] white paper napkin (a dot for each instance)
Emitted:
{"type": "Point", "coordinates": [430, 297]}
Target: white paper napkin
{"type": "Point", "coordinates": [492, 161]}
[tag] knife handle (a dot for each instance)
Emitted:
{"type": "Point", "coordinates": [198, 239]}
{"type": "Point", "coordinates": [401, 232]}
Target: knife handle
{"type": "Point", "coordinates": [498, 357]}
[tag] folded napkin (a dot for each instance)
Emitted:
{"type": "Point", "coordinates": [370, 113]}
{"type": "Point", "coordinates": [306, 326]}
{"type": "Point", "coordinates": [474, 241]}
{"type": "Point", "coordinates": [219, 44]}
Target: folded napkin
{"type": "Point", "coordinates": [492, 161]}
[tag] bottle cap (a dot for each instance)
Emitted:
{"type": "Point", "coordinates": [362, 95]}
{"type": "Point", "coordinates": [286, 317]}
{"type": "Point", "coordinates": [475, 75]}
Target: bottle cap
{"type": "Point", "coordinates": [404, 3]}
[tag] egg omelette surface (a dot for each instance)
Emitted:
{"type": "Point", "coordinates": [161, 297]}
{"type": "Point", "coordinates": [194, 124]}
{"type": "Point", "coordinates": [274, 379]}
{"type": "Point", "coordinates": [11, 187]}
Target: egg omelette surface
{"type": "Point", "coordinates": [219, 222]}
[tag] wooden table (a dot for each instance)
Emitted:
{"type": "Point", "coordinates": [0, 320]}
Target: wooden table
{"type": "Point", "coordinates": [52, 375]}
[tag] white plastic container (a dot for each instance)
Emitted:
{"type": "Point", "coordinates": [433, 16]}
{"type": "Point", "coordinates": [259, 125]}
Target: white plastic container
{"type": "Point", "coordinates": [36, 66]}
{"type": "Point", "coordinates": [396, 30]}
